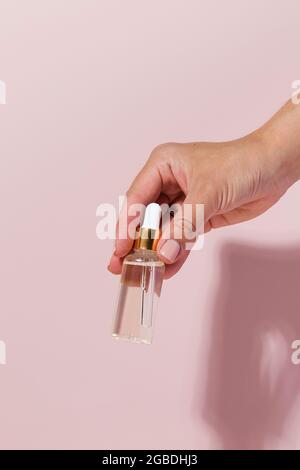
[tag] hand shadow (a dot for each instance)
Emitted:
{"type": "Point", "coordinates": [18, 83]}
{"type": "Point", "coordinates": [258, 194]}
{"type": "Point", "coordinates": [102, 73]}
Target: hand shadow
{"type": "Point", "coordinates": [252, 383]}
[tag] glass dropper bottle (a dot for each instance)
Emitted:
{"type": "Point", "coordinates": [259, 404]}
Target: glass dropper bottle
{"type": "Point", "coordinates": [141, 282]}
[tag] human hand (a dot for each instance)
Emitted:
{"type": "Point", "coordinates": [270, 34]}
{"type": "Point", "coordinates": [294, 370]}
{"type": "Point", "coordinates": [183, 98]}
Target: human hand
{"type": "Point", "coordinates": [236, 181]}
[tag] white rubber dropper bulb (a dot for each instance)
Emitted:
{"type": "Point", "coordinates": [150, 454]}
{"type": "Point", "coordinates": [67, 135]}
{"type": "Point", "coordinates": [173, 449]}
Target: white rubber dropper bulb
{"type": "Point", "coordinates": [152, 216]}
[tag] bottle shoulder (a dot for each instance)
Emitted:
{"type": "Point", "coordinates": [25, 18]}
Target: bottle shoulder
{"type": "Point", "coordinates": [143, 256]}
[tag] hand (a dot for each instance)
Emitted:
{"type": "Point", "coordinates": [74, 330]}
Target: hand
{"type": "Point", "coordinates": [236, 181]}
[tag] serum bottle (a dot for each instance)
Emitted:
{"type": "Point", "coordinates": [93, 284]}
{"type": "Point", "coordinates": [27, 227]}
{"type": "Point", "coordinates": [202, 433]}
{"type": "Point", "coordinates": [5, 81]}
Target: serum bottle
{"type": "Point", "coordinates": [141, 282]}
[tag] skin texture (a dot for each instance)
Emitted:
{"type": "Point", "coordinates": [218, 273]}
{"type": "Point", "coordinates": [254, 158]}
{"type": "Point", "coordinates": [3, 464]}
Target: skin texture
{"type": "Point", "coordinates": [236, 181]}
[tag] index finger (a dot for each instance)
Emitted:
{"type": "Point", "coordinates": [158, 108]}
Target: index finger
{"type": "Point", "coordinates": [145, 188]}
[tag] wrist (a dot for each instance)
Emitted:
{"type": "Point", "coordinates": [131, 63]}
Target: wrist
{"type": "Point", "coordinates": [280, 146]}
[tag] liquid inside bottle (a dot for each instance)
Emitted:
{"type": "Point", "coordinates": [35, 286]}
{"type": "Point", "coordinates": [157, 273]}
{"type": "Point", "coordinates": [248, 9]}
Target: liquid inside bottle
{"type": "Point", "coordinates": [141, 283]}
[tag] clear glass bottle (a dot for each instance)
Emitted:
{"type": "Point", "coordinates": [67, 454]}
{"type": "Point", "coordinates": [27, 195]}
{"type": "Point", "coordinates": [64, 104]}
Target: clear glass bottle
{"type": "Point", "coordinates": [141, 282]}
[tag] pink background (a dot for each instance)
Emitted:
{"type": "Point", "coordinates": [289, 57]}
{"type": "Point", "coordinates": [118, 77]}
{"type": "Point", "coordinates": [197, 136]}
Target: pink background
{"type": "Point", "coordinates": [92, 87]}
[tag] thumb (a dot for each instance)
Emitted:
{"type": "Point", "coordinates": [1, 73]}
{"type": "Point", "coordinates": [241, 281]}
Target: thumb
{"type": "Point", "coordinates": [180, 232]}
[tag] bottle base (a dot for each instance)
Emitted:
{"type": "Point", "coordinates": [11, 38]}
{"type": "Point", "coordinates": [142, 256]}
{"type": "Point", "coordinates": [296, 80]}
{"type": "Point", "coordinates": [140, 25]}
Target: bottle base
{"type": "Point", "coordinates": [131, 339]}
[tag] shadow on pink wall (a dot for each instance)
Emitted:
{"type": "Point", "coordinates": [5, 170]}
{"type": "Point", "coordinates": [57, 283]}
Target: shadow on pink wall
{"type": "Point", "coordinates": [252, 383]}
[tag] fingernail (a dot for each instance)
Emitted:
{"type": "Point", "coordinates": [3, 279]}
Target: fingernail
{"type": "Point", "coordinates": [108, 267]}
{"type": "Point", "coordinates": [109, 263]}
{"type": "Point", "coordinates": [170, 250]}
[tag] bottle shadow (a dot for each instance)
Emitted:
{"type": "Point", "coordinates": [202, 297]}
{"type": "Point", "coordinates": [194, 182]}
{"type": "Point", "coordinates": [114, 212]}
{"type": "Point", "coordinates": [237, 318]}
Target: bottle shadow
{"type": "Point", "coordinates": [252, 383]}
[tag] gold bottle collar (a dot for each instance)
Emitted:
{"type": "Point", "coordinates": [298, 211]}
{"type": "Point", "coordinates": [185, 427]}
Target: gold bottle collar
{"type": "Point", "coordinates": [147, 239]}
